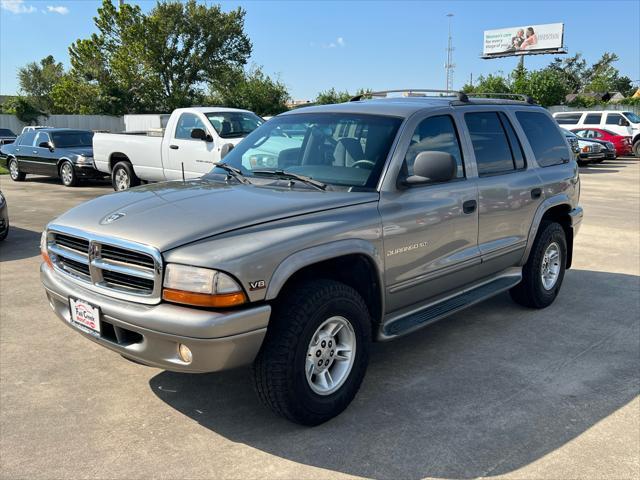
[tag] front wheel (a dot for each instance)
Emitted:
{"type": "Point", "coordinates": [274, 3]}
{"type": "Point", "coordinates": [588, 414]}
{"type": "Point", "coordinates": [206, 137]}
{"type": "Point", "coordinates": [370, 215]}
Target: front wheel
{"type": "Point", "coordinates": [636, 148]}
{"type": "Point", "coordinates": [316, 352]}
{"type": "Point", "coordinates": [14, 171]}
{"type": "Point", "coordinates": [543, 273]}
{"type": "Point", "coordinates": [68, 174]}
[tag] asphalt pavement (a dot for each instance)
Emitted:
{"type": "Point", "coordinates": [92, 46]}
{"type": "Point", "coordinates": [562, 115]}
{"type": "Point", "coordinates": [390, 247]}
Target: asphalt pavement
{"type": "Point", "coordinates": [495, 391]}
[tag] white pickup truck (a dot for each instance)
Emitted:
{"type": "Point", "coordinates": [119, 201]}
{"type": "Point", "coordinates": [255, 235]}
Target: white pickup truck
{"type": "Point", "coordinates": [195, 139]}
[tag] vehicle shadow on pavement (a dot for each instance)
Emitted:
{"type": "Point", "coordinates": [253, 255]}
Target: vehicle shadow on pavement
{"type": "Point", "coordinates": [19, 244]}
{"type": "Point", "coordinates": [595, 169]}
{"type": "Point", "coordinates": [483, 393]}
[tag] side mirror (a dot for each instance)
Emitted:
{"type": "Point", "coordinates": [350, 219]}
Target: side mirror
{"type": "Point", "coordinates": [48, 145]}
{"type": "Point", "coordinates": [199, 134]}
{"type": "Point", "coordinates": [226, 148]}
{"type": "Point", "coordinates": [432, 167]}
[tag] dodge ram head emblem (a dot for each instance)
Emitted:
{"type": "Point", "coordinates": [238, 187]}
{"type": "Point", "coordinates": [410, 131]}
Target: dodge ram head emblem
{"type": "Point", "coordinates": [112, 218]}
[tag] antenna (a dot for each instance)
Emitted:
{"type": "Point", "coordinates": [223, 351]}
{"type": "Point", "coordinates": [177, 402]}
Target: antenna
{"type": "Point", "coordinates": [449, 66]}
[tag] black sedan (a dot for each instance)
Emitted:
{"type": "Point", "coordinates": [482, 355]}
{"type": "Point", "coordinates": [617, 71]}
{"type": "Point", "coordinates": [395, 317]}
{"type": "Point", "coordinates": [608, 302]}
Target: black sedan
{"type": "Point", "coordinates": [4, 217]}
{"type": "Point", "coordinates": [57, 152]}
{"type": "Point", "coordinates": [6, 136]}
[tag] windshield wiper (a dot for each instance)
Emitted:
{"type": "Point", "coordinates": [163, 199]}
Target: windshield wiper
{"type": "Point", "coordinates": [233, 172]}
{"type": "Point", "coordinates": [281, 174]}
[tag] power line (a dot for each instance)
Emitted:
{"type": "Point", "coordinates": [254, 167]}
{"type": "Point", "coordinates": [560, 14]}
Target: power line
{"type": "Point", "coordinates": [449, 66]}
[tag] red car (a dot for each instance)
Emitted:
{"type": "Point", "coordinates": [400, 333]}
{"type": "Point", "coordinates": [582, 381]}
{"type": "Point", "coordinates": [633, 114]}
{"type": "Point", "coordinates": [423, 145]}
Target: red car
{"type": "Point", "coordinates": [623, 144]}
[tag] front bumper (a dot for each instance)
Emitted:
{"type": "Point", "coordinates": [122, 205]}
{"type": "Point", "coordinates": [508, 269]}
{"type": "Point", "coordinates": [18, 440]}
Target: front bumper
{"type": "Point", "coordinates": [87, 171]}
{"type": "Point", "coordinates": [150, 334]}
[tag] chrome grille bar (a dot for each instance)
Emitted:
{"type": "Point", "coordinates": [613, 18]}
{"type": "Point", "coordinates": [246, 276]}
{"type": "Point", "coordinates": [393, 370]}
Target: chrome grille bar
{"type": "Point", "coordinates": [127, 270]}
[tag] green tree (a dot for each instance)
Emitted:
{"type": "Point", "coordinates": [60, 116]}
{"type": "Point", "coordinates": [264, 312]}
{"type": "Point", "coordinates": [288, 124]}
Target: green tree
{"type": "Point", "coordinates": [25, 111]}
{"type": "Point", "coordinates": [252, 90]}
{"type": "Point", "coordinates": [72, 95]}
{"type": "Point", "coordinates": [547, 87]}
{"type": "Point", "coordinates": [332, 96]}
{"type": "Point", "coordinates": [489, 84]}
{"type": "Point", "coordinates": [603, 76]}
{"type": "Point", "coordinates": [573, 69]}
{"type": "Point", "coordinates": [37, 80]}
{"type": "Point", "coordinates": [161, 60]}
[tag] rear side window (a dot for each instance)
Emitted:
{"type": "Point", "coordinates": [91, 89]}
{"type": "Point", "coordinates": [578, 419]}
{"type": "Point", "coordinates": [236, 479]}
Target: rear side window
{"type": "Point", "coordinates": [27, 138]}
{"type": "Point", "coordinates": [545, 138]}
{"type": "Point", "coordinates": [490, 144]}
{"type": "Point", "coordinates": [568, 118]}
{"type": "Point", "coordinates": [514, 142]}
{"type": "Point", "coordinates": [593, 119]}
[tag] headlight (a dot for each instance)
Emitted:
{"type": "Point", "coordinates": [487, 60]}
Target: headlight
{"type": "Point", "coordinates": [201, 287]}
{"type": "Point", "coordinates": [586, 148]}
{"type": "Point", "coordinates": [82, 160]}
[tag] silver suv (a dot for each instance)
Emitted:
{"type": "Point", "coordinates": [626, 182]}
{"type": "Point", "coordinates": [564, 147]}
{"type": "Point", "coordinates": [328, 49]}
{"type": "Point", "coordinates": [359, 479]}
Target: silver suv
{"type": "Point", "coordinates": [325, 229]}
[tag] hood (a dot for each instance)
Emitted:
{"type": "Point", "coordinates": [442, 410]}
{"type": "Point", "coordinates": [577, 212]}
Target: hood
{"type": "Point", "coordinates": [84, 151]}
{"type": "Point", "coordinates": [170, 214]}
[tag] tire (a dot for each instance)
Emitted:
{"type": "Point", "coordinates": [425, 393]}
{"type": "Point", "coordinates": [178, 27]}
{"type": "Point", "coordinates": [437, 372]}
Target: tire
{"type": "Point", "coordinates": [14, 171]}
{"type": "Point", "coordinates": [123, 177]}
{"type": "Point", "coordinates": [280, 369]}
{"type": "Point", "coordinates": [636, 149]}
{"type": "Point", "coordinates": [68, 174]}
{"type": "Point", "coordinates": [532, 291]}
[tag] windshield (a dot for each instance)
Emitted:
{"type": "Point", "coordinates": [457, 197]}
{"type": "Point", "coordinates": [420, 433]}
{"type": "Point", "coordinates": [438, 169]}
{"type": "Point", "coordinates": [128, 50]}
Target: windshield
{"type": "Point", "coordinates": [5, 132]}
{"type": "Point", "coordinates": [234, 124]}
{"type": "Point", "coordinates": [72, 139]}
{"type": "Point", "coordinates": [347, 150]}
{"type": "Point", "coordinates": [632, 117]}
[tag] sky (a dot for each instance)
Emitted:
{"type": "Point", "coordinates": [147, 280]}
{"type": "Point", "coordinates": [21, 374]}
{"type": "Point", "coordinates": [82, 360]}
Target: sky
{"type": "Point", "coordinates": [315, 45]}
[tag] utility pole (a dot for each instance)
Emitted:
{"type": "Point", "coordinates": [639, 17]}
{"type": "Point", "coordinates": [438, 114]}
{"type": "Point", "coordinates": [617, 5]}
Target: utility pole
{"type": "Point", "coordinates": [120, 3]}
{"type": "Point", "coordinates": [449, 66]}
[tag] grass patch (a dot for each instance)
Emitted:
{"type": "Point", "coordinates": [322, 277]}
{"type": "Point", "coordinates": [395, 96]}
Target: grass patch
{"type": "Point", "coordinates": [3, 171]}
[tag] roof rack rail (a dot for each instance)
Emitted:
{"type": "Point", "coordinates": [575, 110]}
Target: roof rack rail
{"type": "Point", "coordinates": [409, 91]}
{"type": "Point", "coordinates": [521, 96]}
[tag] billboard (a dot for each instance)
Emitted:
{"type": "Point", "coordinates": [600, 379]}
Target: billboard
{"type": "Point", "coordinates": [524, 40]}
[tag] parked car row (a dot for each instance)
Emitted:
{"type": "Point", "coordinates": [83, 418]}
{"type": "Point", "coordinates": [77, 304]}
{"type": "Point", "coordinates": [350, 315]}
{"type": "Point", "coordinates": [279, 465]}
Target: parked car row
{"type": "Point", "coordinates": [623, 124]}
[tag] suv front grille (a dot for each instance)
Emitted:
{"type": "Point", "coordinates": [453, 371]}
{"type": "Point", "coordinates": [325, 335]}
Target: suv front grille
{"type": "Point", "coordinates": [110, 266]}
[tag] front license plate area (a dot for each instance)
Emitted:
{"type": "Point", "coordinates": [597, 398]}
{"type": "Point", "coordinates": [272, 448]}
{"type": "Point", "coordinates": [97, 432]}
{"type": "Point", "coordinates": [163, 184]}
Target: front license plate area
{"type": "Point", "coordinates": [85, 316]}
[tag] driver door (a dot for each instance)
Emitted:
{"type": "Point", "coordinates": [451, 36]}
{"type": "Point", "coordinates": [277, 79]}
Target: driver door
{"type": "Point", "coordinates": [195, 155]}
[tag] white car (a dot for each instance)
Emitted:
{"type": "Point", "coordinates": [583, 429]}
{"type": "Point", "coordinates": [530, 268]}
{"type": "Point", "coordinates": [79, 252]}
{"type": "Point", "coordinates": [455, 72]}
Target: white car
{"type": "Point", "coordinates": [194, 140]}
{"type": "Point", "coordinates": [623, 123]}
{"type": "Point", "coordinates": [30, 128]}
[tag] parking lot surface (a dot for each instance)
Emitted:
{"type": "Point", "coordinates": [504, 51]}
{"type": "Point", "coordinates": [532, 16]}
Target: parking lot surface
{"type": "Point", "coordinates": [494, 391]}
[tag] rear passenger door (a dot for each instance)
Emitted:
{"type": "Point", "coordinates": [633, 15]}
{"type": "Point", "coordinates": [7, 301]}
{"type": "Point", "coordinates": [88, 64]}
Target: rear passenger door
{"type": "Point", "coordinates": [24, 153]}
{"type": "Point", "coordinates": [508, 194]}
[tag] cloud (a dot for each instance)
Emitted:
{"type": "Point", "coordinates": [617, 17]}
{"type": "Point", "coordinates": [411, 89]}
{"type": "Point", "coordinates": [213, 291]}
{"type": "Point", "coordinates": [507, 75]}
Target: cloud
{"type": "Point", "coordinates": [58, 9]}
{"type": "Point", "coordinates": [16, 6]}
{"type": "Point", "coordinates": [338, 43]}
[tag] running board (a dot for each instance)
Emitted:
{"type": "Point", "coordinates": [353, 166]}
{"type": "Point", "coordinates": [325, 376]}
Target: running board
{"type": "Point", "coordinates": [434, 312]}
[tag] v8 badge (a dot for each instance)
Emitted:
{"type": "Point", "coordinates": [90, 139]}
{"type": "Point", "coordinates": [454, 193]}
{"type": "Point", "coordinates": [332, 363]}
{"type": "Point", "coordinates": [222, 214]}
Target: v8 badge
{"type": "Point", "coordinates": [257, 285]}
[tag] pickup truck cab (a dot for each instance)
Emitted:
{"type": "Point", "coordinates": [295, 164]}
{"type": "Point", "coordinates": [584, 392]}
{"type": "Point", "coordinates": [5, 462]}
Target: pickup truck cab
{"type": "Point", "coordinates": [366, 221]}
{"type": "Point", "coordinates": [195, 139]}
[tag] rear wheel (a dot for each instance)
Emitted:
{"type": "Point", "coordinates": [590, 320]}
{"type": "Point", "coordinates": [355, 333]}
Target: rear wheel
{"type": "Point", "coordinates": [123, 177]}
{"type": "Point", "coordinates": [14, 171]}
{"type": "Point", "coordinates": [316, 352]}
{"type": "Point", "coordinates": [543, 273]}
{"type": "Point", "coordinates": [636, 148]}
{"type": "Point", "coordinates": [68, 174]}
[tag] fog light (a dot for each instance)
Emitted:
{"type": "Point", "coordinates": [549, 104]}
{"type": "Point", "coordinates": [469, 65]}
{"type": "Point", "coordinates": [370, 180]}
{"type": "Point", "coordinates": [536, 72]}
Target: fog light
{"type": "Point", "coordinates": [185, 354]}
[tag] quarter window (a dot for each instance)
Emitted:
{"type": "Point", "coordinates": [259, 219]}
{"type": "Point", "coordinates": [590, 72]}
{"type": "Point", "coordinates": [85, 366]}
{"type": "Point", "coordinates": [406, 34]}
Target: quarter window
{"type": "Point", "coordinates": [28, 138]}
{"type": "Point", "coordinates": [593, 119]}
{"type": "Point", "coordinates": [435, 134]}
{"type": "Point", "coordinates": [186, 124]}
{"type": "Point", "coordinates": [544, 136]}
{"type": "Point", "coordinates": [490, 144]}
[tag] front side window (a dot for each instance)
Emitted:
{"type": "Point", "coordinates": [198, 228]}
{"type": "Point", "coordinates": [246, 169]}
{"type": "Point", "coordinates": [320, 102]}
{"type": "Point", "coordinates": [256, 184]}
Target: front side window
{"type": "Point", "coordinates": [593, 119]}
{"type": "Point", "coordinates": [614, 119]}
{"type": "Point", "coordinates": [490, 144]}
{"type": "Point", "coordinates": [632, 117]}
{"type": "Point", "coordinates": [69, 139]}
{"type": "Point", "coordinates": [435, 134]}
{"type": "Point", "coordinates": [339, 149]}
{"type": "Point", "coordinates": [40, 138]}
{"type": "Point", "coordinates": [234, 124]}
{"type": "Point", "coordinates": [186, 124]}
{"type": "Point", "coordinates": [544, 137]}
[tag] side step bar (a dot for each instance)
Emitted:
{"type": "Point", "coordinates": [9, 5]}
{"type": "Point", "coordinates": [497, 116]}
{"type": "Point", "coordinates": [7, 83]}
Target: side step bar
{"type": "Point", "coordinates": [436, 311]}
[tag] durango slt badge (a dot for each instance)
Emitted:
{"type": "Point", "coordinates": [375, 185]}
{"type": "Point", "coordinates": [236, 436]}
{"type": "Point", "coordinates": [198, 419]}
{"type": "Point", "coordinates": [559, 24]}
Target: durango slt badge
{"type": "Point", "coordinates": [112, 218]}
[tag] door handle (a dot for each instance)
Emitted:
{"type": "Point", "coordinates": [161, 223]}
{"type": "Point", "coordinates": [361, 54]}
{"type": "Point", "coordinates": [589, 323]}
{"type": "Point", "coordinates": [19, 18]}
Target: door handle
{"type": "Point", "coordinates": [174, 147]}
{"type": "Point", "coordinates": [469, 206]}
{"type": "Point", "coordinates": [35, 151]}
{"type": "Point", "coordinates": [536, 193]}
